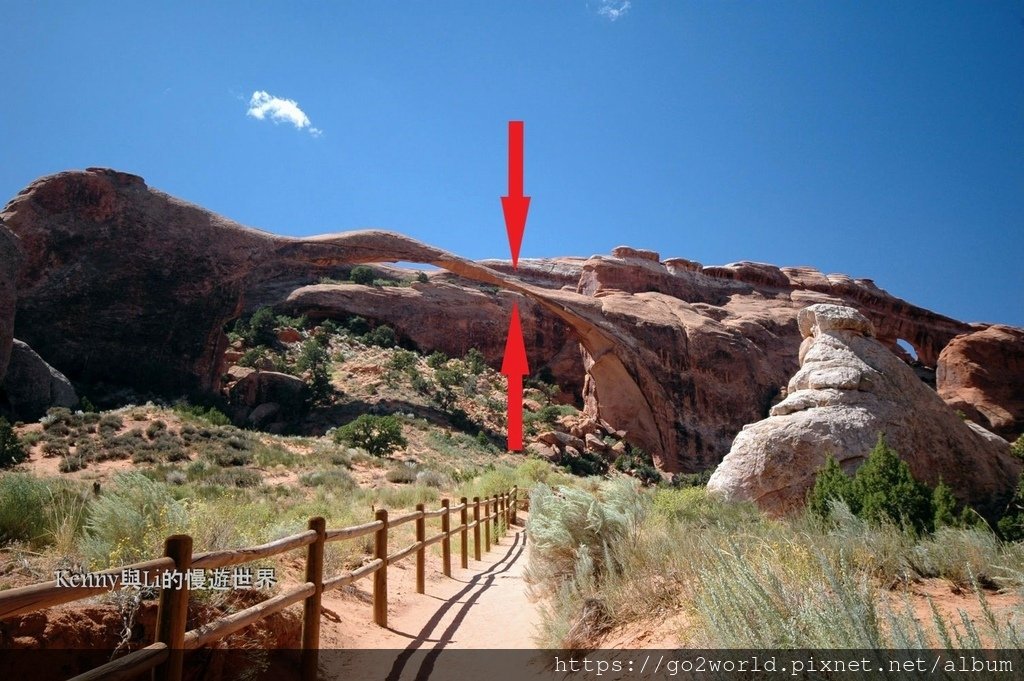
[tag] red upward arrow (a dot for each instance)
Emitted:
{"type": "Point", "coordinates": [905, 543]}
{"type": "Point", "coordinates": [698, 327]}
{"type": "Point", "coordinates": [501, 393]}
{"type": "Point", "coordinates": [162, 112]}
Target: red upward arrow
{"type": "Point", "coordinates": [515, 205]}
{"type": "Point", "coordinates": [515, 366]}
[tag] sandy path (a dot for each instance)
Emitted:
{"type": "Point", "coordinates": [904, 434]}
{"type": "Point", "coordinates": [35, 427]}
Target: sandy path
{"type": "Point", "coordinates": [484, 607]}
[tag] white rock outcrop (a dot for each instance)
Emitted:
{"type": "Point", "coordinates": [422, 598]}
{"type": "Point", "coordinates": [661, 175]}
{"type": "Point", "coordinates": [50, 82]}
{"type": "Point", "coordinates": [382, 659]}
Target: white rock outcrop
{"type": "Point", "coordinates": [850, 388]}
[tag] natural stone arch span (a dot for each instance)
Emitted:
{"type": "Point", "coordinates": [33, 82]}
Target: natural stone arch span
{"type": "Point", "coordinates": [582, 314]}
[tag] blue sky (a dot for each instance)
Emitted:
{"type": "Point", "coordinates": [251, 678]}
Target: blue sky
{"type": "Point", "coordinates": [880, 139]}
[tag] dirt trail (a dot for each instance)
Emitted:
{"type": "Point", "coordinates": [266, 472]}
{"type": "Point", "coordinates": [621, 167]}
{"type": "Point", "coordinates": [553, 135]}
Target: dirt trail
{"type": "Point", "coordinates": [484, 607]}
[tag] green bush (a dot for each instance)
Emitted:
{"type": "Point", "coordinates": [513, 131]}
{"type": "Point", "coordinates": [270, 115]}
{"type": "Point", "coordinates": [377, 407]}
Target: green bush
{"type": "Point", "coordinates": [378, 435]}
{"type": "Point", "coordinates": [437, 359]}
{"type": "Point", "coordinates": [402, 360]}
{"type": "Point", "coordinates": [886, 490]}
{"type": "Point", "coordinates": [383, 337]}
{"type": "Point", "coordinates": [832, 484]}
{"type": "Point", "coordinates": [1017, 448]}
{"type": "Point", "coordinates": [1011, 525]}
{"type": "Point", "coordinates": [314, 360]}
{"type": "Point", "coordinates": [361, 274]}
{"type": "Point", "coordinates": [475, 362]}
{"type": "Point", "coordinates": [357, 325]}
{"type": "Point", "coordinates": [259, 330]}
{"type": "Point", "coordinates": [882, 490]}
{"type": "Point", "coordinates": [211, 415]}
{"type": "Point", "coordinates": [421, 277]}
{"type": "Point", "coordinates": [11, 450]}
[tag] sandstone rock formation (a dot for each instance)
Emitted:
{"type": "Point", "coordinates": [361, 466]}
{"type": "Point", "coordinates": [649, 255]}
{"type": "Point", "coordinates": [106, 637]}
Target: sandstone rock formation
{"type": "Point", "coordinates": [31, 386]}
{"type": "Point", "coordinates": [10, 261]}
{"type": "Point", "coordinates": [982, 375]}
{"type": "Point", "coordinates": [130, 286]}
{"type": "Point", "coordinates": [849, 389]}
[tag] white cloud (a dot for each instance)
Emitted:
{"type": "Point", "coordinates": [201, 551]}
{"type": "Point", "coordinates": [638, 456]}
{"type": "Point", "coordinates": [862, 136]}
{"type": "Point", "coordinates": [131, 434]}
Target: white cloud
{"type": "Point", "coordinates": [263, 105]}
{"type": "Point", "coordinates": [613, 10]}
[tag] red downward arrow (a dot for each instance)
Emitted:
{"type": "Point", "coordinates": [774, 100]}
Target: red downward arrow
{"type": "Point", "coordinates": [515, 205]}
{"type": "Point", "coordinates": [515, 366]}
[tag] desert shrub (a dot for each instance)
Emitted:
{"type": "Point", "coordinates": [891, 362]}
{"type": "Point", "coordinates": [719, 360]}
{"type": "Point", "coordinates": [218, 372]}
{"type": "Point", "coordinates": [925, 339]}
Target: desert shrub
{"type": "Point", "coordinates": [284, 321]}
{"type": "Point", "coordinates": [383, 337]}
{"type": "Point", "coordinates": [31, 439]}
{"type": "Point", "coordinates": [447, 380]}
{"type": "Point", "coordinates": [474, 361]}
{"type": "Point", "coordinates": [357, 325]}
{"type": "Point", "coordinates": [155, 428]}
{"type": "Point", "coordinates": [23, 501]}
{"type": "Point", "coordinates": [334, 479]}
{"type": "Point", "coordinates": [433, 479]}
{"type": "Point", "coordinates": [640, 465]}
{"type": "Point", "coordinates": [402, 473]}
{"type": "Point", "coordinates": [228, 457]}
{"type": "Point", "coordinates": [437, 359]}
{"type": "Point", "coordinates": [314, 360]}
{"type": "Point", "coordinates": [130, 521]}
{"type": "Point", "coordinates": [574, 532]}
{"type": "Point", "coordinates": [71, 463]}
{"type": "Point", "coordinates": [378, 435]}
{"type": "Point", "coordinates": [1011, 525]}
{"type": "Point", "coordinates": [402, 360]}
{"type": "Point", "coordinates": [176, 477]}
{"type": "Point", "coordinates": [586, 464]}
{"type": "Point", "coordinates": [110, 424]}
{"type": "Point", "coordinates": [210, 415]}
{"type": "Point", "coordinates": [11, 450]}
{"type": "Point", "coordinates": [361, 274]}
{"type": "Point", "coordinates": [691, 479]}
{"type": "Point", "coordinates": [418, 382]}
{"type": "Point", "coordinates": [259, 329]}
{"type": "Point", "coordinates": [421, 277]}
{"type": "Point", "coordinates": [235, 477]}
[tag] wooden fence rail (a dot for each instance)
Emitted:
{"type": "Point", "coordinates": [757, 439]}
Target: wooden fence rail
{"type": "Point", "coordinates": [165, 656]}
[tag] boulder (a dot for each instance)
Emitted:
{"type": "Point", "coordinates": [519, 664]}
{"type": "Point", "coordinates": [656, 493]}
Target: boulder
{"type": "Point", "coordinates": [32, 386]}
{"type": "Point", "coordinates": [982, 374]}
{"type": "Point", "coordinates": [260, 387]}
{"type": "Point", "coordinates": [561, 440]}
{"type": "Point", "coordinates": [595, 444]}
{"type": "Point", "coordinates": [289, 335]}
{"type": "Point", "coordinates": [849, 389]}
{"type": "Point", "coordinates": [263, 415]}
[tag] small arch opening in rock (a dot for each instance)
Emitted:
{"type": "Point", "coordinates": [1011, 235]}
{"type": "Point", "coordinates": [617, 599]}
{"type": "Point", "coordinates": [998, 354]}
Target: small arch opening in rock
{"type": "Point", "coordinates": [908, 348]}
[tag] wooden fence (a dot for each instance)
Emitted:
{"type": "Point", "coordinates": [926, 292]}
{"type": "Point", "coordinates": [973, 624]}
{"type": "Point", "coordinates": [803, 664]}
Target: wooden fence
{"type": "Point", "coordinates": [165, 656]}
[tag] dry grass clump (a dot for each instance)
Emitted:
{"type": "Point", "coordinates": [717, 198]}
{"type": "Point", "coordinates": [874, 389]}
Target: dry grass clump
{"type": "Point", "coordinates": [617, 554]}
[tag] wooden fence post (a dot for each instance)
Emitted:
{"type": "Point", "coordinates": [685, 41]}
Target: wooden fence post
{"type": "Point", "coordinates": [172, 611]}
{"type": "Point", "coordinates": [421, 554]}
{"type": "Point", "coordinates": [311, 607]}
{"type": "Point", "coordinates": [380, 577]}
{"type": "Point", "coordinates": [503, 510]}
{"type": "Point", "coordinates": [476, 528]}
{"type": "Point", "coordinates": [515, 505]}
{"type": "Point", "coordinates": [494, 516]}
{"type": "Point", "coordinates": [464, 519]}
{"type": "Point", "coordinates": [446, 543]}
{"type": "Point", "coordinates": [487, 524]}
